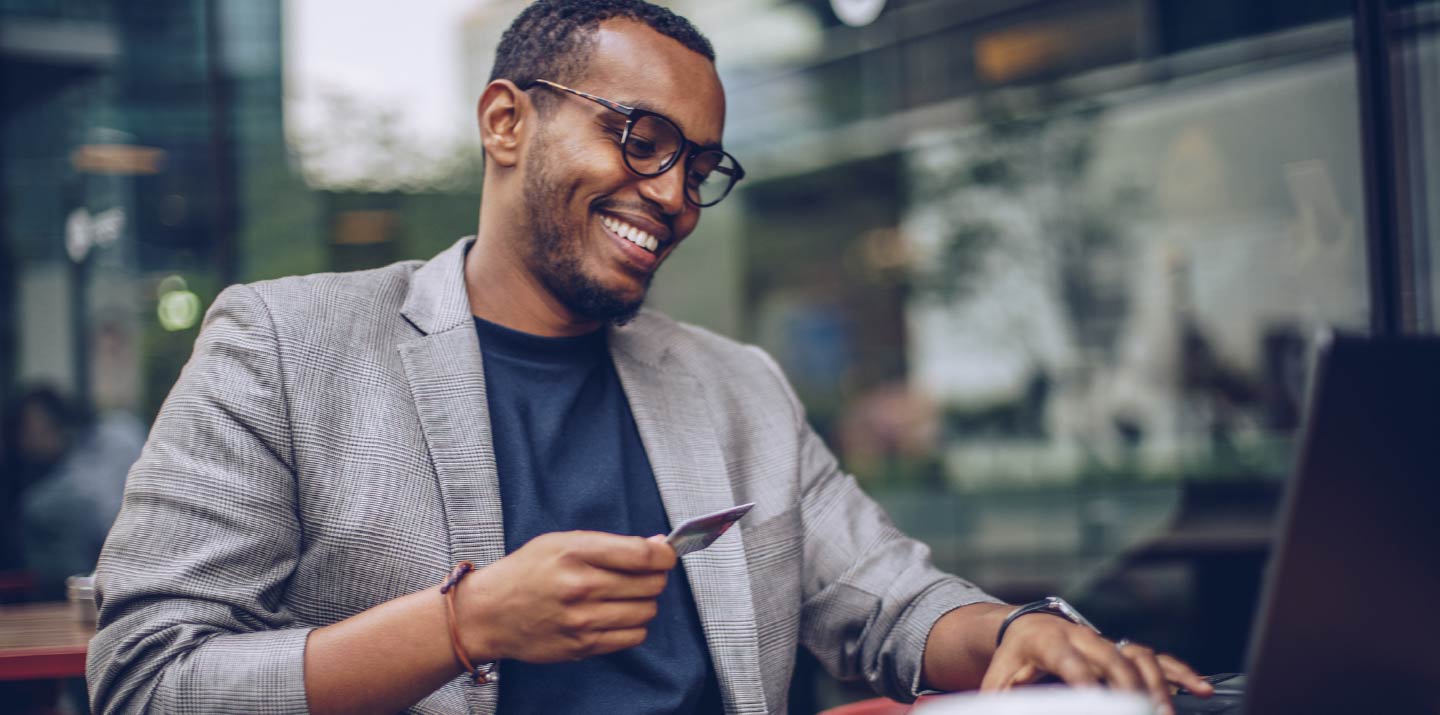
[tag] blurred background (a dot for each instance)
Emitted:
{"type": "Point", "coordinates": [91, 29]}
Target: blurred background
{"type": "Point", "coordinates": [1046, 273]}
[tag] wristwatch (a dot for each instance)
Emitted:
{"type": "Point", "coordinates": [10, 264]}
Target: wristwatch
{"type": "Point", "coordinates": [1053, 605]}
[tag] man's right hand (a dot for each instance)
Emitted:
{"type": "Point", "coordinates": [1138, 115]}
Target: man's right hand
{"type": "Point", "coordinates": [564, 596]}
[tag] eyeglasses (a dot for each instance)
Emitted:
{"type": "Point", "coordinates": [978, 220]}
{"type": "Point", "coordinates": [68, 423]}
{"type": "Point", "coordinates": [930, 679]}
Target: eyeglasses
{"type": "Point", "coordinates": [652, 144]}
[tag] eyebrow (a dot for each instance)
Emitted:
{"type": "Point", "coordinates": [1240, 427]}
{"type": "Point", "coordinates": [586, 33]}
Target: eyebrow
{"type": "Point", "coordinates": [642, 104]}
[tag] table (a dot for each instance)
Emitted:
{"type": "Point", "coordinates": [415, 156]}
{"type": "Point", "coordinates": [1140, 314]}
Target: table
{"type": "Point", "coordinates": [43, 640]}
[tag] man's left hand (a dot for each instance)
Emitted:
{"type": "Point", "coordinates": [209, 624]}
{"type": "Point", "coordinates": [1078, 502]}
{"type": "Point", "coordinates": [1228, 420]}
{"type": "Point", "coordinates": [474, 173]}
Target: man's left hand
{"type": "Point", "coordinates": [1040, 644]}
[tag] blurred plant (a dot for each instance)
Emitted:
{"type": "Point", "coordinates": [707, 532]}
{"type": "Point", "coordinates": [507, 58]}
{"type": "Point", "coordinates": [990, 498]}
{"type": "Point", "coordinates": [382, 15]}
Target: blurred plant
{"type": "Point", "coordinates": [362, 147]}
{"type": "Point", "coordinates": [1036, 160]}
{"type": "Point", "coordinates": [1014, 193]}
{"type": "Point", "coordinates": [1007, 218]}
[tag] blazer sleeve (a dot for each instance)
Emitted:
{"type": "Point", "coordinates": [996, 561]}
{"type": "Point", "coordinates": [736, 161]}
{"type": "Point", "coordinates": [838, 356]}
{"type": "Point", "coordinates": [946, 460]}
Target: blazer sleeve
{"type": "Point", "coordinates": [190, 580]}
{"type": "Point", "coordinates": [870, 593]}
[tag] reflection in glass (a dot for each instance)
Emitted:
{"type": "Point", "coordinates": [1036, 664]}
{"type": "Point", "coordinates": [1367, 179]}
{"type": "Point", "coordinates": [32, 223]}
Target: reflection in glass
{"type": "Point", "coordinates": [1053, 301]}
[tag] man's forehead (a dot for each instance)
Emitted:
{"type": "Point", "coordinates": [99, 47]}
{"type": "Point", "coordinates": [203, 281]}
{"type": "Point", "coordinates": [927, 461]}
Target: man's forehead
{"type": "Point", "coordinates": [636, 65]}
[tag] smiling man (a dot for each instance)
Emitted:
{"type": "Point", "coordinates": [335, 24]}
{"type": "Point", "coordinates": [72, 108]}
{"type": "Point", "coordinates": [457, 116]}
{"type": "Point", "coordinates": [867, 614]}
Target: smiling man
{"type": "Point", "coordinates": [438, 486]}
{"type": "Point", "coordinates": [601, 188]}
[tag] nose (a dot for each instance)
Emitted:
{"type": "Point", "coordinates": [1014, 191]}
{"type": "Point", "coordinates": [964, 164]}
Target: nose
{"type": "Point", "coordinates": [667, 190]}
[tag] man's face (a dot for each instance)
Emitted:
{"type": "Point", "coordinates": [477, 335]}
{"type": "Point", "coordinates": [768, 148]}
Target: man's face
{"type": "Point", "coordinates": [580, 197]}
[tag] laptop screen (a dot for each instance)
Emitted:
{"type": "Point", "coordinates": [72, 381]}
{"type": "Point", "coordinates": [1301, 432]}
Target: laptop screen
{"type": "Point", "coordinates": [1350, 616]}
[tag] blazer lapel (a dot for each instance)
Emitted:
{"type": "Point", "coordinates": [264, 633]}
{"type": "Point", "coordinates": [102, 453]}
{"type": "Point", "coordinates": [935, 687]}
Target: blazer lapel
{"type": "Point", "coordinates": [674, 424]}
{"type": "Point", "coordinates": [447, 382]}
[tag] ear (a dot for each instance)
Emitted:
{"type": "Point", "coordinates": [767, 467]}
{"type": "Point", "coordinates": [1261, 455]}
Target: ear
{"type": "Point", "coordinates": [502, 113]}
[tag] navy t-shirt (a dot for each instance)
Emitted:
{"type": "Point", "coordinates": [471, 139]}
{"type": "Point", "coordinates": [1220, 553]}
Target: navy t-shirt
{"type": "Point", "coordinates": [569, 458]}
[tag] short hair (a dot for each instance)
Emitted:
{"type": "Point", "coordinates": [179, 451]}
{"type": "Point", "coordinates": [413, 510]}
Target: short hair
{"type": "Point", "coordinates": [552, 39]}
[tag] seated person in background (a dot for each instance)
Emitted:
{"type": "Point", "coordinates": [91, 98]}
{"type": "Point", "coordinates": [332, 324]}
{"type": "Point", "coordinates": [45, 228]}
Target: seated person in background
{"type": "Point", "coordinates": [67, 476]}
{"type": "Point", "coordinates": [338, 442]}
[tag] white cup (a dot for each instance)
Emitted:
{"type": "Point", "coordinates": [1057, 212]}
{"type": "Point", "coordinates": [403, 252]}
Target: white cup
{"type": "Point", "coordinates": [80, 590]}
{"type": "Point", "coordinates": [1038, 700]}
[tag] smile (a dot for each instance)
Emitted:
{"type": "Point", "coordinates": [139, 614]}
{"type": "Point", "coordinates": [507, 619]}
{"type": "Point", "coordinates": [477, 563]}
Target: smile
{"type": "Point", "coordinates": [630, 233]}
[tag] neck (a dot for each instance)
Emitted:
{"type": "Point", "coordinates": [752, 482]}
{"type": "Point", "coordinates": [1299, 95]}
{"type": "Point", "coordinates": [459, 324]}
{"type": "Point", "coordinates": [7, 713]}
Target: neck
{"type": "Point", "coordinates": [503, 290]}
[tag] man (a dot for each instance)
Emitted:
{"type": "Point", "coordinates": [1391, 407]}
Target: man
{"type": "Point", "coordinates": [338, 442]}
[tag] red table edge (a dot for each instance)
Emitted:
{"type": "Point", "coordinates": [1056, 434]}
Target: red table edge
{"type": "Point", "coordinates": [42, 663]}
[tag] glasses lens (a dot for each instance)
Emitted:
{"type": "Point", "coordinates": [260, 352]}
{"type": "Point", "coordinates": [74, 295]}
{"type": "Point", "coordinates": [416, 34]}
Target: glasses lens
{"type": "Point", "coordinates": [711, 175]}
{"type": "Point", "coordinates": [652, 144]}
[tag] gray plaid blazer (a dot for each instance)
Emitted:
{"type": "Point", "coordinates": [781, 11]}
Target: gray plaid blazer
{"type": "Point", "coordinates": [327, 449]}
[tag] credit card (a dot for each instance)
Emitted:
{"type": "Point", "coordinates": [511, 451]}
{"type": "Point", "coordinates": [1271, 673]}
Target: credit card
{"type": "Point", "coordinates": [702, 531]}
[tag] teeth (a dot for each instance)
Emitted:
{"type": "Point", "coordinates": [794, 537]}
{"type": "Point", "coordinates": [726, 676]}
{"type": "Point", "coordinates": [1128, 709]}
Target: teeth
{"type": "Point", "coordinates": [634, 235]}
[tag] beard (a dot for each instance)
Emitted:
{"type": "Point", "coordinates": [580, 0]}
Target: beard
{"type": "Point", "coordinates": [554, 253]}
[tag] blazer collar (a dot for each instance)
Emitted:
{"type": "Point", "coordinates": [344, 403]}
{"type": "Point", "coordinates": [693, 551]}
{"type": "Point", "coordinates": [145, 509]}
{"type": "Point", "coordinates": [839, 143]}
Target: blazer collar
{"type": "Point", "coordinates": [437, 300]}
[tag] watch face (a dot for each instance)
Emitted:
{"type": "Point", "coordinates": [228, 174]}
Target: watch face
{"type": "Point", "coordinates": [1063, 607]}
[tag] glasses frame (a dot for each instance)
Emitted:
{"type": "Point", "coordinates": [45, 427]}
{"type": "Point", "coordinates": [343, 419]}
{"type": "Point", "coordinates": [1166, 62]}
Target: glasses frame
{"type": "Point", "coordinates": [634, 114]}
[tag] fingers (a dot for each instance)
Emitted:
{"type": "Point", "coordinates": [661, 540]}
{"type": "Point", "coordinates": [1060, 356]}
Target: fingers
{"type": "Point", "coordinates": [1008, 670]}
{"type": "Point", "coordinates": [592, 584]}
{"type": "Point", "coordinates": [1000, 673]}
{"type": "Point", "coordinates": [624, 587]}
{"type": "Point", "coordinates": [620, 553]}
{"type": "Point", "coordinates": [1182, 675]}
{"type": "Point", "coordinates": [1038, 647]}
{"type": "Point", "coordinates": [610, 615]}
{"type": "Point", "coordinates": [1027, 674]}
{"type": "Point", "coordinates": [1118, 671]}
{"type": "Point", "coordinates": [1073, 668]}
{"type": "Point", "coordinates": [610, 641]}
{"type": "Point", "coordinates": [570, 595]}
{"type": "Point", "coordinates": [1151, 674]}
{"type": "Point", "coordinates": [1007, 673]}
{"type": "Point", "coordinates": [1082, 658]}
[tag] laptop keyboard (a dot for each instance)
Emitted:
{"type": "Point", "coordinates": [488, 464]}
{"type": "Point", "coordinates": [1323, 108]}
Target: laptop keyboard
{"type": "Point", "coordinates": [1228, 697]}
{"type": "Point", "coordinates": [1214, 705]}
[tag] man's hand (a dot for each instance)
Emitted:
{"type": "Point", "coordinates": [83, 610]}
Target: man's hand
{"type": "Point", "coordinates": [1040, 644]}
{"type": "Point", "coordinates": [564, 596]}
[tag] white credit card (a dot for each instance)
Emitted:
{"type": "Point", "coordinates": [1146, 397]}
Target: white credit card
{"type": "Point", "coordinates": [702, 531]}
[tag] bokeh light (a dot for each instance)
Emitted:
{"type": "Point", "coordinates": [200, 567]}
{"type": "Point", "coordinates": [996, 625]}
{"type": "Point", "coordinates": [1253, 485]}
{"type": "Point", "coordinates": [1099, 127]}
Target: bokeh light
{"type": "Point", "coordinates": [179, 310]}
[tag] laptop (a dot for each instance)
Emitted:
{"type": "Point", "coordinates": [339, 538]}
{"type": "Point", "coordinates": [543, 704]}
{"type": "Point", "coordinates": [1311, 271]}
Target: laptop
{"type": "Point", "coordinates": [1349, 618]}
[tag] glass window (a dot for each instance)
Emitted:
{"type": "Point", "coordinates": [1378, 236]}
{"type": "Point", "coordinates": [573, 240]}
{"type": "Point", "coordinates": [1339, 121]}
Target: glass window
{"type": "Point", "coordinates": [1415, 28]}
{"type": "Point", "coordinates": [1055, 305]}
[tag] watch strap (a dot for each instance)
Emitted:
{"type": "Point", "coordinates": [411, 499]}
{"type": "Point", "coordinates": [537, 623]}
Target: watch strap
{"type": "Point", "coordinates": [1052, 605]}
